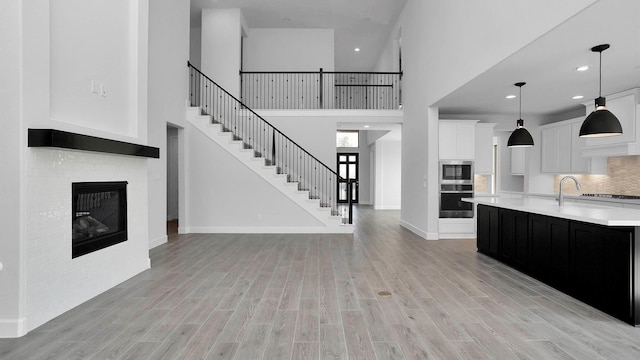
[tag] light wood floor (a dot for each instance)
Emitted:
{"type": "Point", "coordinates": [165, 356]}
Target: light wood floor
{"type": "Point", "coordinates": [316, 297]}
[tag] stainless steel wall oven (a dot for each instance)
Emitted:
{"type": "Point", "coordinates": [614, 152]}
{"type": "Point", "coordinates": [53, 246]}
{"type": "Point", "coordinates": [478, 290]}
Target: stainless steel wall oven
{"type": "Point", "coordinates": [456, 183]}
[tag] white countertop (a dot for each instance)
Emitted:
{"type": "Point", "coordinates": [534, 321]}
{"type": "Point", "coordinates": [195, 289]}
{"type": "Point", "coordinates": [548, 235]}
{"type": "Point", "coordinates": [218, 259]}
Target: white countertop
{"type": "Point", "coordinates": [586, 212]}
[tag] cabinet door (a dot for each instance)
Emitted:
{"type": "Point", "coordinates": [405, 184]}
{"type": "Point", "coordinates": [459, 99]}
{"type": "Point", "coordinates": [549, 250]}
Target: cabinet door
{"type": "Point", "coordinates": [558, 234]}
{"type": "Point", "coordinates": [556, 149]}
{"type": "Point", "coordinates": [484, 149]}
{"type": "Point", "coordinates": [448, 143]}
{"type": "Point", "coordinates": [517, 160]}
{"type": "Point", "coordinates": [514, 238]}
{"type": "Point", "coordinates": [549, 255]}
{"type": "Point", "coordinates": [579, 163]}
{"type": "Point", "coordinates": [488, 230]}
{"type": "Point", "coordinates": [540, 256]}
{"type": "Point", "coordinates": [456, 140]}
{"type": "Point", "coordinates": [466, 141]}
{"type": "Point", "coordinates": [600, 267]}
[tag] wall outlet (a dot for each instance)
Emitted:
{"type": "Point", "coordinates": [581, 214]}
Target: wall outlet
{"type": "Point", "coordinates": [94, 87]}
{"type": "Point", "coordinates": [103, 90]}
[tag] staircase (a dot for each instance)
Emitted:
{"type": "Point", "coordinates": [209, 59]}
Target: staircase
{"type": "Point", "coordinates": [265, 150]}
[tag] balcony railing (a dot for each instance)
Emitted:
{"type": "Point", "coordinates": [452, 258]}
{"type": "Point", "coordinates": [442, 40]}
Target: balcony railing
{"type": "Point", "coordinates": [321, 90]}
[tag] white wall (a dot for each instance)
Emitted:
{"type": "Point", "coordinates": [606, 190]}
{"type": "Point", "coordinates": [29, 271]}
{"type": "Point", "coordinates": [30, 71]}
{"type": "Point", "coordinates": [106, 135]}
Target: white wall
{"type": "Point", "coordinates": [224, 195]}
{"type": "Point", "coordinates": [222, 30]}
{"type": "Point", "coordinates": [39, 206]}
{"type": "Point", "coordinates": [92, 41]}
{"type": "Point", "coordinates": [168, 93]}
{"type": "Point", "coordinates": [439, 39]}
{"type": "Point", "coordinates": [195, 43]}
{"type": "Point", "coordinates": [289, 50]}
{"type": "Point", "coordinates": [315, 130]}
{"type": "Point", "coordinates": [12, 311]}
{"type": "Point", "coordinates": [388, 175]}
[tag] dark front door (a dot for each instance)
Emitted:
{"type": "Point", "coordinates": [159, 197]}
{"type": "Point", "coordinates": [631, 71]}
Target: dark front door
{"type": "Point", "coordinates": [347, 170]}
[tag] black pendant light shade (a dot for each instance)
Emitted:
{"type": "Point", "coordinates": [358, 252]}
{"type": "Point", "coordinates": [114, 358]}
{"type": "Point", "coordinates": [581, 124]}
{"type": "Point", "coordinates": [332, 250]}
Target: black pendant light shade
{"type": "Point", "coordinates": [601, 122]}
{"type": "Point", "coordinates": [520, 137]}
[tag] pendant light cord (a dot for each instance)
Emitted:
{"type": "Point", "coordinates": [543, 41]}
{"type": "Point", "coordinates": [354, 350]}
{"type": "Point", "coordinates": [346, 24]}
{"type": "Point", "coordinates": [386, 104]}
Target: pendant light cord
{"type": "Point", "coordinates": [520, 98]}
{"type": "Point", "coordinates": [600, 81]}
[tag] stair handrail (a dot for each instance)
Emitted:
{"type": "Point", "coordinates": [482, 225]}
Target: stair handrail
{"type": "Point", "coordinates": [263, 119]}
{"type": "Point", "coordinates": [268, 142]}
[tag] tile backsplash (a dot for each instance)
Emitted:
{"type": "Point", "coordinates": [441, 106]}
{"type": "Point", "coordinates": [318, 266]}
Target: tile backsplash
{"type": "Point", "coordinates": [623, 178]}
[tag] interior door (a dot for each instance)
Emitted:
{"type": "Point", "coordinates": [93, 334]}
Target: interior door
{"type": "Point", "coordinates": [348, 170]}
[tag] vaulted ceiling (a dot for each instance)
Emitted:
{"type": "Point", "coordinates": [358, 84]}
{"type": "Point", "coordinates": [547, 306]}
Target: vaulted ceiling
{"type": "Point", "coordinates": [365, 24]}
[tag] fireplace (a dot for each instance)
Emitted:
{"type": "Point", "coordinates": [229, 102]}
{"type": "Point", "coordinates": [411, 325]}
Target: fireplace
{"type": "Point", "coordinates": [99, 217]}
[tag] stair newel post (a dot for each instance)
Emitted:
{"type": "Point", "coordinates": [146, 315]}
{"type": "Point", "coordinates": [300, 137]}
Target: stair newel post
{"type": "Point", "coordinates": [350, 183]}
{"type": "Point", "coordinates": [321, 88]}
{"type": "Point", "coordinates": [273, 146]}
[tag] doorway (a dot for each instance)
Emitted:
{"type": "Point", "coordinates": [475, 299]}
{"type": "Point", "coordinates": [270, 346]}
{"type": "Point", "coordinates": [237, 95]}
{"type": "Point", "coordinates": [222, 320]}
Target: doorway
{"type": "Point", "coordinates": [348, 170]}
{"type": "Point", "coordinates": [172, 180]}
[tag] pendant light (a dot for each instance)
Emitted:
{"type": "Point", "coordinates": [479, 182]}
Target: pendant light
{"type": "Point", "coordinates": [520, 137]}
{"type": "Point", "coordinates": [601, 122]}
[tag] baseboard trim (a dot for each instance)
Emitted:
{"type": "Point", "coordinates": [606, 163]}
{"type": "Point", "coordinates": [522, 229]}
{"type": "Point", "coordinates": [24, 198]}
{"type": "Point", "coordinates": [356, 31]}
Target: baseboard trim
{"type": "Point", "coordinates": [416, 230]}
{"type": "Point", "coordinates": [384, 207]}
{"type": "Point", "coordinates": [13, 328]}
{"type": "Point", "coordinates": [341, 229]}
{"type": "Point", "coordinates": [446, 236]}
{"type": "Point", "coordinates": [158, 241]}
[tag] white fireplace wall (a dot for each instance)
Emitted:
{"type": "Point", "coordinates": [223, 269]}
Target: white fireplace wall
{"type": "Point", "coordinates": [55, 282]}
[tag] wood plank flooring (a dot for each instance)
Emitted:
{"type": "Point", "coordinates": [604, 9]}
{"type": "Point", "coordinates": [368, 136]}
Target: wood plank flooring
{"type": "Point", "coordinates": [253, 296]}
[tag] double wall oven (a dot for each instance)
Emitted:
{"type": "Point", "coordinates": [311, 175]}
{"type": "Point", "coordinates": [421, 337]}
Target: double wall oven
{"type": "Point", "coordinates": [456, 182]}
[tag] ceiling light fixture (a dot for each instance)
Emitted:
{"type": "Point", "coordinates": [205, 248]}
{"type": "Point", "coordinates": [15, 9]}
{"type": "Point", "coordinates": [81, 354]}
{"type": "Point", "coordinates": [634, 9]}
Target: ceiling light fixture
{"type": "Point", "coordinates": [520, 137]}
{"type": "Point", "coordinates": [601, 122]}
{"type": "Point", "coordinates": [577, 97]}
{"type": "Point", "coordinates": [366, 126]}
{"type": "Point", "coordinates": [582, 68]}
{"type": "Point", "coordinates": [356, 49]}
{"type": "Point", "coordinates": [510, 97]}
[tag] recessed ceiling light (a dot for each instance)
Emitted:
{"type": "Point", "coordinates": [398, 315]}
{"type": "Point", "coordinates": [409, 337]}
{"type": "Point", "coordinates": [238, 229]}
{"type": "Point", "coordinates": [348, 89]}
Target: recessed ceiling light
{"type": "Point", "coordinates": [366, 126]}
{"type": "Point", "coordinates": [356, 49]}
{"type": "Point", "coordinates": [582, 68]}
{"type": "Point", "coordinates": [510, 97]}
{"type": "Point", "coordinates": [577, 97]}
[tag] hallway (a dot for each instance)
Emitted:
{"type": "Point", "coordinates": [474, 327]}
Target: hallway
{"type": "Point", "coordinates": [282, 296]}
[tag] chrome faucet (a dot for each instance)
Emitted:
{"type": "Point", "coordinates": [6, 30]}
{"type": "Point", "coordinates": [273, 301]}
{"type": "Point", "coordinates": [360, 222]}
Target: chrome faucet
{"type": "Point", "coordinates": [561, 194]}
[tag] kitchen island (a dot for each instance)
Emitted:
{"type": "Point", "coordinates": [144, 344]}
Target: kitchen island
{"type": "Point", "coordinates": [588, 251]}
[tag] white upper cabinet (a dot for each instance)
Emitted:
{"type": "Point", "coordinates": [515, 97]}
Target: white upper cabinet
{"type": "Point", "coordinates": [562, 150]}
{"type": "Point", "coordinates": [456, 139]}
{"type": "Point", "coordinates": [624, 106]}
{"type": "Point", "coordinates": [556, 148]}
{"type": "Point", "coordinates": [484, 148]}
{"type": "Point", "coordinates": [518, 160]}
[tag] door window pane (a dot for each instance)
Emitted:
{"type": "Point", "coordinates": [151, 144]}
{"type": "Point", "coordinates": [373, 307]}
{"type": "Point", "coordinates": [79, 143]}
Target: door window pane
{"type": "Point", "coordinates": [342, 170]}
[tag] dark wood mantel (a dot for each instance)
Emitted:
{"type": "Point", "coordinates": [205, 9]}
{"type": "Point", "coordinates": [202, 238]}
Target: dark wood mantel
{"type": "Point", "coordinates": [69, 140]}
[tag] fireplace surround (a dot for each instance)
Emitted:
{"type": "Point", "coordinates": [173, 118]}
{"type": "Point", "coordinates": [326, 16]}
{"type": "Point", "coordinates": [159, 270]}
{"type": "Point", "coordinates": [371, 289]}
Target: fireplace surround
{"type": "Point", "coordinates": [99, 216]}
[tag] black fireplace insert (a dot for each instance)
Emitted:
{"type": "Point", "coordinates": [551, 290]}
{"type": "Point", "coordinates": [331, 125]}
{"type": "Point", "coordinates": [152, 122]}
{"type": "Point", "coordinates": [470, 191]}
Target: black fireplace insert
{"type": "Point", "coordinates": [99, 217]}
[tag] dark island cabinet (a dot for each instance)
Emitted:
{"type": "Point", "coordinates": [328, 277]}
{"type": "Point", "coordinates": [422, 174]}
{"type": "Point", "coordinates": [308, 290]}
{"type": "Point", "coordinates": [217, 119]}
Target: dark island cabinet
{"type": "Point", "coordinates": [487, 234]}
{"type": "Point", "coordinates": [513, 242]}
{"type": "Point", "coordinates": [601, 267]}
{"type": "Point", "coordinates": [592, 263]}
{"type": "Point", "coordinates": [549, 250]}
